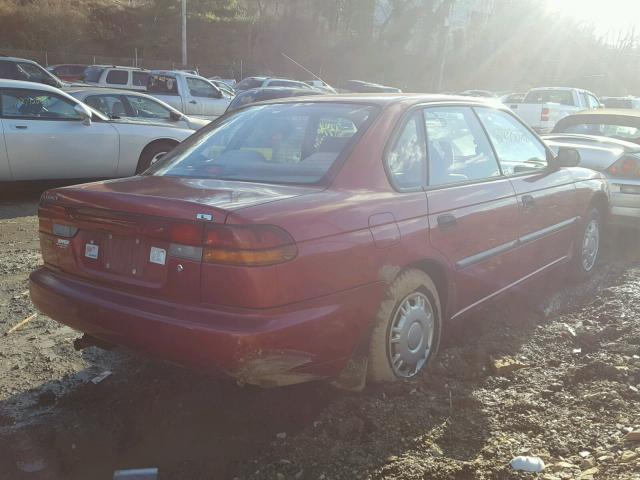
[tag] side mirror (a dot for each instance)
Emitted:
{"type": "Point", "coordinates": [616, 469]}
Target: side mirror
{"type": "Point", "coordinates": [175, 116]}
{"type": "Point", "coordinates": [567, 157]}
{"type": "Point", "coordinates": [84, 112]}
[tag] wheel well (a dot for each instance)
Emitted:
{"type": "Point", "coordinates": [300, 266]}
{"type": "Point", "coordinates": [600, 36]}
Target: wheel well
{"type": "Point", "coordinates": [600, 202]}
{"type": "Point", "coordinates": [437, 273]}
{"type": "Point", "coordinates": [159, 141]}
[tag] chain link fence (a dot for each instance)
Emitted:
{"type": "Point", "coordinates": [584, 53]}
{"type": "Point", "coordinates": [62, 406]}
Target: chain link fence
{"type": "Point", "coordinates": [236, 70]}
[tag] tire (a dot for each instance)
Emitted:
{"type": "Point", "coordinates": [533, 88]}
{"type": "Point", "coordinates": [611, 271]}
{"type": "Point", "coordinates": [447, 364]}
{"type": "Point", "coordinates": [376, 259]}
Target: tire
{"type": "Point", "coordinates": [410, 342]}
{"type": "Point", "coordinates": [587, 247]}
{"type": "Point", "coordinates": [151, 154]}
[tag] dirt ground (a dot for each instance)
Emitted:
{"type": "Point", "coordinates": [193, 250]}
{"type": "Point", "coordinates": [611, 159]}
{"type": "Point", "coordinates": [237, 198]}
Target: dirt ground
{"type": "Point", "coordinates": [573, 395]}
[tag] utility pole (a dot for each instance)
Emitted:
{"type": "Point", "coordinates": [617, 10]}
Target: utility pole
{"type": "Point", "coordinates": [184, 32]}
{"type": "Point", "coordinates": [445, 47]}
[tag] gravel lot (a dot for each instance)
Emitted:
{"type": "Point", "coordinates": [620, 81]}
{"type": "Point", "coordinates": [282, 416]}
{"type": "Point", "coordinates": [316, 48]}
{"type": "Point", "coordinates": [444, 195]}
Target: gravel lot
{"type": "Point", "coordinates": [571, 398]}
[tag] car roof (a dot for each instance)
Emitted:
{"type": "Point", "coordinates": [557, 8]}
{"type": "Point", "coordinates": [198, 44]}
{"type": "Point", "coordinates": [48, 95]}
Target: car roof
{"type": "Point", "coordinates": [6, 83]}
{"type": "Point", "coordinates": [15, 59]}
{"type": "Point", "coordinates": [118, 66]}
{"type": "Point", "coordinates": [90, 89]}
{"type": "Point", "coordinates": [384, 99]}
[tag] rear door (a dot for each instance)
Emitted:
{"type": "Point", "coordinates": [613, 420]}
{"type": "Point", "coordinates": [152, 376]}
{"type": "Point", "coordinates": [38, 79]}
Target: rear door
{"type": "Point", "coordinates": [46, 139]}
{"type": "Point", "coordinates": [473, 212]}
{"type": "Point", "coordinates": [546, 196]}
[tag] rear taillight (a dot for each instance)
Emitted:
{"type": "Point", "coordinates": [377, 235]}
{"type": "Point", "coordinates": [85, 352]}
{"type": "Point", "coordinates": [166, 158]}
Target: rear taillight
{"type": "Point", "coordinates": [628, 167]}
{"type": "Point", "coordinates": [544, 115]}
{"type": "Point", "coordinates": [248, 245]}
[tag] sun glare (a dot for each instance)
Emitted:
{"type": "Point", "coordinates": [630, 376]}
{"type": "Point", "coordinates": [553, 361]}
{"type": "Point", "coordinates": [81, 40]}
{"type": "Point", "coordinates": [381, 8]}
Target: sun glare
{"type": "Point", "coordinates": [607, 16]}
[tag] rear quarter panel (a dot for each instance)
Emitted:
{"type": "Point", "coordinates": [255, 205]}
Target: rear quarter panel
{"type": "Point", "coordinates": [334, 232]}
{"type": "Point", "coordinates": [589, 185]}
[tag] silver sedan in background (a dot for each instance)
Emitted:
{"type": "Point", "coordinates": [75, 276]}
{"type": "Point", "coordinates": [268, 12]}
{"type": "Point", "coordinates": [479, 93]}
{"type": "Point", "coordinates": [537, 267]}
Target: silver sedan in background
{"type": "Point", "coordinates": [127, 104]}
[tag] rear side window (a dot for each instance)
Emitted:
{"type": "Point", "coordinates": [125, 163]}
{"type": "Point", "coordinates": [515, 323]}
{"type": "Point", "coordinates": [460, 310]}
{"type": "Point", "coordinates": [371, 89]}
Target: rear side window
{"type": "Point", "coordinates": [118, 77]}
{"type": "Point", "coordinates": [457, 147]}
{"type": "Point", "coordinates": [7, 70]}
{"type": "Point", "coordinates": [407, 159]}
{"type": "Point", "coordinates": [277, 143]}
{"type": "Point", "coordinates": [92, 74]}
{"type": "Point", "coordinates": [139, 79]}
{"type": "Point", "coordinates": [518, 150]}
{"type": "Point", "coordinates": [563, 97]}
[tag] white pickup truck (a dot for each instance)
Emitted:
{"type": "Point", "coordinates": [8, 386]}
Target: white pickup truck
{"type": "Point", "coordinates": [193, 95]}
{"type": "Point", "coordinates": [543, 107]}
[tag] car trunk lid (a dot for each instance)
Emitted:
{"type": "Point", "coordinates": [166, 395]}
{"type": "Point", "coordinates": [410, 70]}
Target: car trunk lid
{"type": "Point", "coordinates": [143, 234]}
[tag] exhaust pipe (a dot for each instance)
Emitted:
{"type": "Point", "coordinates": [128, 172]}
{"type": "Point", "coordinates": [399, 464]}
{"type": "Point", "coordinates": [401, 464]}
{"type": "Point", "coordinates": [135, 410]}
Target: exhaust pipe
{"type": "Point", "coordinates": [88, 341]}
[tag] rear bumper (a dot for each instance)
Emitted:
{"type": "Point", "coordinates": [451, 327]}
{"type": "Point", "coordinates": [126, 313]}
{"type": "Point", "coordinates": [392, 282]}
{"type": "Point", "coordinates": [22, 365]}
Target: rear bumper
{"type": "Point", "coordinates": [269, 347]}
{"type": "Point", "coordinates": [625, 207]}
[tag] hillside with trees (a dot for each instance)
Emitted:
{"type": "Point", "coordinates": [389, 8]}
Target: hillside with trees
{"type": "Point", "coordinates": [407, 43]}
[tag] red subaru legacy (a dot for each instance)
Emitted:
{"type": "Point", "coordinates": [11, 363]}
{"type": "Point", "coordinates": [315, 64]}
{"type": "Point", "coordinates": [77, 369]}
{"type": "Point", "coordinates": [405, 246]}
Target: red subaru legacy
{"type": "Point", "coordinates": [299, 239]}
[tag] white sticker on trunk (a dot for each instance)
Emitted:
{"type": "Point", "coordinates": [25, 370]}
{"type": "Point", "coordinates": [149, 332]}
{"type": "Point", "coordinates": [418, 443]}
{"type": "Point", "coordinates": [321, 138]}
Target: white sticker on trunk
{"type": "Point", "coordinates": [91, 251]}
{"type": "Point", "coordinates": [158, 255]}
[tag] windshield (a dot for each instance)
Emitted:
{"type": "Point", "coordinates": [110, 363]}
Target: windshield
{"type": "Point", "coordinates": [563, 97]}
{"type": "Point", "coordinates": [278, 143]}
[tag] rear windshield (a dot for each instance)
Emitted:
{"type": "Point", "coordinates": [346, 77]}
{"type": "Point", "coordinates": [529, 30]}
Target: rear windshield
{"type": "Point", "coordinates": [278, 143]}
{"type": "Point", "coordinates": [563, 97]}
{"type": "Point", "coordinates": [92, 74]}
{"type": "Point", "coordinates": [621, 132]}
{"type": "Point", "coordinates": [165, 84]}
{"type": "Point", "coordinates": [248, 83]}
{"type": "Point", "coordinates": [618, 103]}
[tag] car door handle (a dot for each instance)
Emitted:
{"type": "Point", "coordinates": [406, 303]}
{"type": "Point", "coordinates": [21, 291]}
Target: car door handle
{"type": "Point", "coordinates": [20, 127]}
{"type": "Point", "coordinates": [193, 101]}
{"type": "Point", "coordinates": [447, 220]}
{"type": "Point", "coordinates": [528, 201]}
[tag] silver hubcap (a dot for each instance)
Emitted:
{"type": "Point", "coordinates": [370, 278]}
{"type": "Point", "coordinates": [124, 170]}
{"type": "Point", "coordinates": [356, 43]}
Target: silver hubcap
{"type": "Point", "coordinates": [411, 335]}
{"type": "Point", "coordinates": [157, 157]}
{"type": "Point", "coordinates": [590, 245]}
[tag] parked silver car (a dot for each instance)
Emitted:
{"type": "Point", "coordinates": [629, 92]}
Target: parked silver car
{"type": "Point", "coordinates": [618, 160]}
{"type": "Point", "coordinates": [128, 104]}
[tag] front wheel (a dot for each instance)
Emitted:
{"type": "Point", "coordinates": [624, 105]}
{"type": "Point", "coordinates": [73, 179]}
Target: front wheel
{"type": "Point", "coordinates": [406, 334]}
{"type": "Point", "coordinates": [587, 249]}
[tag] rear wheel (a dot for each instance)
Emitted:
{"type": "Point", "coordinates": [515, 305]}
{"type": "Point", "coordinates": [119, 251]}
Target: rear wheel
{"type": "Point", "coordinates": [152, 153]}
{"type": "Point", "coordinates": [406, 335]}
{"type": "Point", "coordinates": [587, 249]}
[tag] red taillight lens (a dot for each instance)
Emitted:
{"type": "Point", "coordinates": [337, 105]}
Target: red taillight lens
{"type": "Point", "coordinates": [626, 167]}
{"type": "Point", "coordinates": [544, 115]}
{"type": "Point", "coordinates": [45, 225]}
{"type": "Point", "coordinates": [185, 233]}
{"type": "Point", "coordinates": [250, 245]}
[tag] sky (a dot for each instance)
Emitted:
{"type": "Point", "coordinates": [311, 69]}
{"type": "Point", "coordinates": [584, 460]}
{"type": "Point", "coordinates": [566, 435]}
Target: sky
{"type": "Point", "coordinates": [607, 16]}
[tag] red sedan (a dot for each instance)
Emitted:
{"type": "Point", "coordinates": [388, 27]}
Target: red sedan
{"type": "Point", "coordinates": [301, 238]}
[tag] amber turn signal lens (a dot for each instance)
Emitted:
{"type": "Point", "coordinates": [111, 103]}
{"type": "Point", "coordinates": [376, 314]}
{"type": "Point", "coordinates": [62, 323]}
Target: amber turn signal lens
{"type": "Point", "coordinates": [270, 256]}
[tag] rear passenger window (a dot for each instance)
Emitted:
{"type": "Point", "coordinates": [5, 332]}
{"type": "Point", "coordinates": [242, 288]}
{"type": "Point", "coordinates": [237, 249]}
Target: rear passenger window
{"type": "Point", "coordinates": [118, 77]}
{"type": "Point", "coordinates": [457, 147]}
{"type": "Point", "coordinates": [518, 150]}
{"type": "Point", "coordinates": [140, 79]}
{"type": "Point", "coordinates": [406, 161]}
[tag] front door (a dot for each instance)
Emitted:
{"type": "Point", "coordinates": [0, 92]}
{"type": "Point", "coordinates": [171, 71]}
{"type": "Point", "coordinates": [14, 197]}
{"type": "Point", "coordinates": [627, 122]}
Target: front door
{"type": "Point", "coordinates": [46, 139]}
{"type": "Point", "coordinates": [546, 196]}
{"type": "Point", "coordinates": [473, 212]}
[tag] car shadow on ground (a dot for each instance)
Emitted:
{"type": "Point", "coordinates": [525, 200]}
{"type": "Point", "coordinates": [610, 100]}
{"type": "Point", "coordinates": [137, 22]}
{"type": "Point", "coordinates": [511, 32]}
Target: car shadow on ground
{"type": "Point", "coordinates": [149, 413]}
